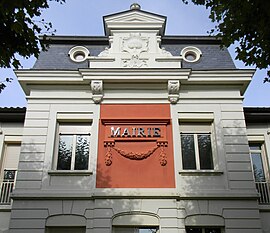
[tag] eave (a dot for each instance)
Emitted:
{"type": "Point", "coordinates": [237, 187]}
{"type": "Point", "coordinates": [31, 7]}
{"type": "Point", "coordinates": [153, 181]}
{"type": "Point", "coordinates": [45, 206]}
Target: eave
{"type": "Point", "coordinates": [240, 78]}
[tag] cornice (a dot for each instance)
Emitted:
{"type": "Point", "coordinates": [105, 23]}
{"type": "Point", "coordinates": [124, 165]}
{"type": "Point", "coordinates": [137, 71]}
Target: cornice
{"type": "Point", "coordinates": [241, 77]}
{"type": "Point", "coordinates": [131, 194]}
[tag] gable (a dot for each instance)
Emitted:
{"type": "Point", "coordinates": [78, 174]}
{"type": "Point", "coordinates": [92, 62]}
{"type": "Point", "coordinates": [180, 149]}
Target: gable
{"type": "Point", "coordinates": [136, 19]}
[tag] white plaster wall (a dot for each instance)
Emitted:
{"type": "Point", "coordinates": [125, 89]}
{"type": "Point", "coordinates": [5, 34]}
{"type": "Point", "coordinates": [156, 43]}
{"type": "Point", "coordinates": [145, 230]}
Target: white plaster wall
{"type": "Point", "coordinates": [4, 221]}
{"type": "Point", "coordinates": [239, 215]}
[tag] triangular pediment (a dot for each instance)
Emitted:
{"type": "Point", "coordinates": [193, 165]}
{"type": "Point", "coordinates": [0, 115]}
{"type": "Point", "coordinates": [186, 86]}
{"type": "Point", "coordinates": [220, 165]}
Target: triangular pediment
{"type": "Point", "coordinates": [134, 19]}
{"type": "Point", "coordinates": [135, 41]}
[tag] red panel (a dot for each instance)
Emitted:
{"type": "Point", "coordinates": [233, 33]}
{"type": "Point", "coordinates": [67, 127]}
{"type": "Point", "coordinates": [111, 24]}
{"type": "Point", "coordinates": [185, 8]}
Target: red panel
{"type": "Point", "coordinates": [138, 152]}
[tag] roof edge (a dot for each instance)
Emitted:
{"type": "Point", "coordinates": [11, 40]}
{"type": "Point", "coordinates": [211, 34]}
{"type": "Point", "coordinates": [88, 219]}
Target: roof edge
{"type": "Point", "coordinates": [61, 39]}
{"type": "Point", "coordinates": [104, 40]}
{"type": "Point", "coordinates": [257, 114]}
{"type": "Point", "coordinates": [12, 114]}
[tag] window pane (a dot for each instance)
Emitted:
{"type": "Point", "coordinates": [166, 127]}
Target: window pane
{"type": "Point", "coordinates": [188, 151]}
{"type": "Point", "coordinates": [193, 230]}
{"type": "Point", "coordinates": [82, 152]}
{"type": "Point", "coordinates": [9, 175]}
{"type": "Point", "coordinates": [258, 167]}
{"type": "Point", "coordinates": [255, 147]}
{"type": "Point", "coordinates": [212, 230]}
{"type": "Point", "coordinates": [64, 152]}
{"type": "Point", "coordinates": [205, 151]}
{"type": "Point", "coordinates": [135, 230]}
{"type": "Point", "coordinates": [147, 230]}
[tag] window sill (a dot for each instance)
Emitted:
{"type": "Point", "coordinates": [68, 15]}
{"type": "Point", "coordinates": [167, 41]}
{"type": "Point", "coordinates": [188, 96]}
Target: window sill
{"type": "Point", "coordinates": [70, 173]}
{"type": "Point", "coordinates": [201, 172]}
{"type": "Point", "coordinates": [5, 207]}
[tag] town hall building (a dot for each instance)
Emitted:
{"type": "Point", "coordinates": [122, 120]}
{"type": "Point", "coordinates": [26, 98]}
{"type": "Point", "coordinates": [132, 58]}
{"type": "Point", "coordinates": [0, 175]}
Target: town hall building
{"type": "Point", "coordinates": [134, 132]}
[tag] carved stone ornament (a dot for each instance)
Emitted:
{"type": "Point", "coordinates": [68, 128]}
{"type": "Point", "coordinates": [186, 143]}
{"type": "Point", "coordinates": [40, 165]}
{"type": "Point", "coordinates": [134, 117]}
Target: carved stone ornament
{"type": "Point", "coordinates": [135, 155]}
{"type": "Point", "coordinates": [135, 44]}
{"type": "Point", "coordinates": [173, 91]}
{"type": "Point", "coordinates": [97, 90]}
{"type": "Point", "coordinates": [104, 53]}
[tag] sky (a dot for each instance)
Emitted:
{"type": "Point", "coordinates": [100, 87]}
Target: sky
{"type": "Point", "coordinates": [84, 18]}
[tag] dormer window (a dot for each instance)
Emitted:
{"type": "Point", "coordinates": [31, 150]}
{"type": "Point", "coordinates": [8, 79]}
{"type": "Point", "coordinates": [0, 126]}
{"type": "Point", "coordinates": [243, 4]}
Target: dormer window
{"type": "Point", "coordinates": [78, 53]}
{"type": "Point", "coordinates": [191, 54]}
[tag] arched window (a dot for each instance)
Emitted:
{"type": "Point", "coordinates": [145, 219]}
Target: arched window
{"type": "Point", "coordinates": [204, 224]}
{"type": "Point", "coordinates": [66, 224]}
{"type": "Point", "coordinates": [135, 223]}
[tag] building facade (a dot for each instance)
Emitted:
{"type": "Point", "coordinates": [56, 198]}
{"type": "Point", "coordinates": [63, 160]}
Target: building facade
{"type": "Point", "coordinates": [135, 131]}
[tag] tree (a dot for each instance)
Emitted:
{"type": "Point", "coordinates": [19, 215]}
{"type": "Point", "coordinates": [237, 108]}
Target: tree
{"type": "Point", "coordinates": [246, 22]}
{"type": "Point", "coordinates": [20, 27]}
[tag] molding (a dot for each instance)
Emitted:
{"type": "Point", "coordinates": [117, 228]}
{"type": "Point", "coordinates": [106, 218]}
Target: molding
{"type": "Point", "coordinates": [201, 172]}
{"type": "Point", "coordinates": [130, 74]}
{"type": "Point", "coordinates": [229, 77]}
{"type": "Point", "coordinates": [70, 173]}
{"type": "Point", "coordinates": [264, 208]}
{"type": "Point", "coordinates": [196, 116]}
{"type": "Point", "coordinates": [132, 194]}
{"type": "Point", "coordinates": [83, 76]}
{"type": "Point", "coordinates": [13, 139]}
{"type": "Point", "coordinates": [5, 208]}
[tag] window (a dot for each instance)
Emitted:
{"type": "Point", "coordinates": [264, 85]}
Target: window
{"type": "Point", "coordinates": [135, 230]}
{"type": "Point", "coordinates": [257, 162]}
{"type": "Point", "coordinates": [73, 146]}
{"type": "Point", "coordinates": [65, 230]}
{"type": "Point", "coordinates": [203, 230]}
{"type": "Point", "coordinates": [191, 54]}
{"type": "Point", "coordinates": [8, 171]}
{"type": "Point", "coordinates": [196, 146]}
{"type": "Point", "coordinates": [78, 53]}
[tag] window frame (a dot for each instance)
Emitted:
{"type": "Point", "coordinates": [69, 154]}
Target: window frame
{"type": "Point", "coordinates": [195, 134]}
{"type": "Point", "coordinates": [204, 228]}
{"type": "Point", "coordinates": [263, 154]}
{"type": "Point", "coordinates": [72, 124]}
{"type": "Point", "coordinates": [135, 229]}
{"type": "Point", "coordinates": [9, 183]}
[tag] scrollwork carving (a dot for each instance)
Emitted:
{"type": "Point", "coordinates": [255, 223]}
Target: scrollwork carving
{"type": "Point", "coordinates": [173, 91]}
{"type": "Point", "coordinates": [97, 90]}
{"type": "Point", "coordinates": [135, 44]}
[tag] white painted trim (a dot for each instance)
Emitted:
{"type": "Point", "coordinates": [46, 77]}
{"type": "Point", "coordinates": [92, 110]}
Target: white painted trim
{"type": "Point", "coordinates": [70, 172]}
{"type": "Point", "coordinates": [130, 219]}
{"type": "Point", "coordinates": [74, 117]}
{"type": "Point", "coordinates": [196, 116]}
{"type": "Point", "coordinates": [66, 220]}
{"type": "Point", "coordinates": [13, 139]}
{"type": "Point", "coordinates": [256, 138]}
{"type": "Point", "coordinates": [204, 220]}
{"type": "Point", "coordinates": [201, 172]}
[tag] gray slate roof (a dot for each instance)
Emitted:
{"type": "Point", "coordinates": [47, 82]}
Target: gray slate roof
{"type": "Point", "coordinates": [213, 57]}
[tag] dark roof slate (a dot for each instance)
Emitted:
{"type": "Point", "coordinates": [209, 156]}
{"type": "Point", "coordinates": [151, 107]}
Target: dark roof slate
{"type": "Point", "coordinates": [213, 57]}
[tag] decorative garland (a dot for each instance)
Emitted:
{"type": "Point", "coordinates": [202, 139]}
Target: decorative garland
{"type": "Point", "coordinates": [135, 156]}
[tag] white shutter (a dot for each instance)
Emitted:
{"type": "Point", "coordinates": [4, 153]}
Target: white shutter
{"type": "Point", "coordinates": [12, 154]}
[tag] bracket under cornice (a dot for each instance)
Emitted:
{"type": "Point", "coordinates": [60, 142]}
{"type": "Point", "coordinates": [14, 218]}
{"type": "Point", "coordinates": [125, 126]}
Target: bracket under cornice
{"type": "Point", "coordinates": [97, 91]}
{"type": "Point", "coordinates": [173, 91]}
